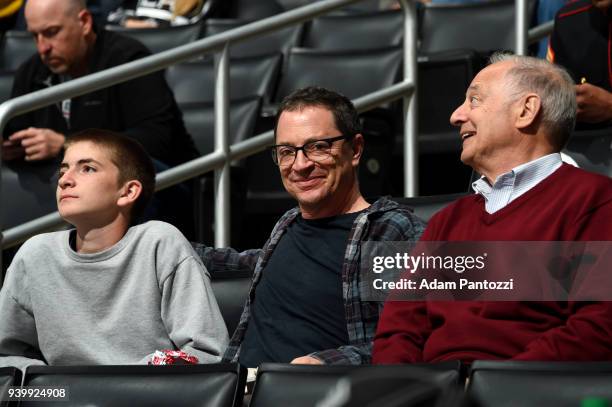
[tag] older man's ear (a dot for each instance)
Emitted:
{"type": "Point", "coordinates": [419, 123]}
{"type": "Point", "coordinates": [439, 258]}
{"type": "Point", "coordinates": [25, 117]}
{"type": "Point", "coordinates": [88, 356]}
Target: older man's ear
{"type": "Point", "coordinates": [528, 108]}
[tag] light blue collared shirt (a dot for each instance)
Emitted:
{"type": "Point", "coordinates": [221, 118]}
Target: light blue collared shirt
{"type": "Point", "coordinates": [514, 183]}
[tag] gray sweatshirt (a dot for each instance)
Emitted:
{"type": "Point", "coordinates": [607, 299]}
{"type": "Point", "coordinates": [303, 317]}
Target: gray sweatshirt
{"type": "Point", "coordinates": [148, 292]}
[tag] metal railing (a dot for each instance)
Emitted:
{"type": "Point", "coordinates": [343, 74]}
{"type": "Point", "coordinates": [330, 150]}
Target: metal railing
{"type": "Point", "coordinates": [220, 159]}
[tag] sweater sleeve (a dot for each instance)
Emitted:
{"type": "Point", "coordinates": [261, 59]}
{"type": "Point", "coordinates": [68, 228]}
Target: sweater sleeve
{"type": "Point", "coordinates": [18, 337]}
{"type": "Point", "coordinates": [587, 331]}
{"type": "Point", "coordinates": [402, 332]}
{"type": "Point", "coordinates": [191, 314]}
{"type": "Point", "coordinates": [584, 337]}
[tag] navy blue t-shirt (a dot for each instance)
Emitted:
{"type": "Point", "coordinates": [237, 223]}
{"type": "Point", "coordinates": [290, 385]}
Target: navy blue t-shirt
{"type": "Point", "coordinates": [299, 307]}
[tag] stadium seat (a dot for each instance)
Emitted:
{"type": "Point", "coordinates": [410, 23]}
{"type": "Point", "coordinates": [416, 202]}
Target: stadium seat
{"type": "Point", "coordinates": [482, 26]}
{"type": "Point", "coordinates": [215, 385]}
{"type": "Point", "coordinates": [255, 10]}
{"type": "Point", "coordinates": [6, 85]}
{"type": "Point", "coordinates": [391, 386]}
{"type": "Point", "coordinates": [28, 191]}
{"type": "Point", "coordinates": [277, 41]}
{"type": "Point", "coordinates": [9, 376]}
{"type": "Point", "coordinates": [305, 385]}
{"type": "Point", "coordinates": [195, 81]}
{"type": "Point", "coordinates": [16, 48]}
{"type": "Point", "coordinates": [163, 38]}
{"type": "Point", "coordinates": [443, 78]}
{"type": "Point", "coordinates": [539, 384]}
{"type": "Point", "coordinates": [231, 291]}
{"type": "Point", "coordinates": [353, 73]}
{"type": "Point", "coordinates": [592, 150]}
{"type": "Point", "coordinates": [426, 206]}
{"type": "Point", "coordinates": [199, 119]}
{"type": "Point", "coordinates": [355, 31]}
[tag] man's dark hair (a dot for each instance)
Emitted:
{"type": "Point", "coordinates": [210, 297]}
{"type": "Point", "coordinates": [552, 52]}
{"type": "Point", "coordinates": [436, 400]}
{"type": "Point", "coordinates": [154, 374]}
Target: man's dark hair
{"type": "Point", "coordinates": [129, 157]}
{"type": "Point", "coordinates": [345, 115]}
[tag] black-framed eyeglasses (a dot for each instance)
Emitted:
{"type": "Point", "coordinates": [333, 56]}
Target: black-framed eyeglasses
{"type": "Point", "coordinates": [316, 150]}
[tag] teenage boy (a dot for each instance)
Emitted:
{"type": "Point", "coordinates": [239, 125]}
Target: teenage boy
{"type": "Point", "coordinates": [107, 292]}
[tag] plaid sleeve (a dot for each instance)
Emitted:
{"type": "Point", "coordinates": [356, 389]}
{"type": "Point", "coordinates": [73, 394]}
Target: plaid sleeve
{"type": "Point", "coordinates": [346, 355]}
{"type": "Point", "coordinates": [227, 259]}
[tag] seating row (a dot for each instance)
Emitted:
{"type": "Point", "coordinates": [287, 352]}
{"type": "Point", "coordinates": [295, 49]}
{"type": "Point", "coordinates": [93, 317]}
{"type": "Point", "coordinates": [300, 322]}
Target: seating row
{"type": "Point", "coordinates": [490, 383]}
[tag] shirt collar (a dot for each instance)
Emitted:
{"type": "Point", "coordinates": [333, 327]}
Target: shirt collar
{"type": "Point", "coordinates": [520, 179]}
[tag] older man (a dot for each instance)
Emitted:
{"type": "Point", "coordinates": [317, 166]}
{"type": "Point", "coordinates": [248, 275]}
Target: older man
{"type": "Point", "coordinates": [70, 46]}
{"type": "Point", "coordinates": [517, 116]}
{"type": "Point", "coordinates": [305, 304]}
{"type": "Point", "coordinates": [580, 43]}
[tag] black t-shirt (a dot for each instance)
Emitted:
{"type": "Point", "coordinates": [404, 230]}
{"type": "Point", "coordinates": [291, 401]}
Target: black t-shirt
{"type": "Point", "coordinates": [299, 307]}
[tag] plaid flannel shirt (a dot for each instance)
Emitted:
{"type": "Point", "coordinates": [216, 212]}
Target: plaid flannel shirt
{"type": "Point", "coordinates": [385, 220]}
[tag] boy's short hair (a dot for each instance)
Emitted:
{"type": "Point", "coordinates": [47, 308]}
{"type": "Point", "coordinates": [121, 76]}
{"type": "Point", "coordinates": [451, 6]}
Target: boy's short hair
{"type": "Point", "coordinates": [129, 157]}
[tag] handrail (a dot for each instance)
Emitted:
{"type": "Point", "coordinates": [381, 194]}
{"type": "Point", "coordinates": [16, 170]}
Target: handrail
{"type": "Point", "coordinates": [220, 158]}
{"type": "Point", "coordinates": [541, 31]}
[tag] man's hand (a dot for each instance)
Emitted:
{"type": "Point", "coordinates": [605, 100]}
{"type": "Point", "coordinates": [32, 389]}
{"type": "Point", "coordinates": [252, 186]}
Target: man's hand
{"type": "Point", "coordinates": [11, 150]}
{"type": "Point", "coordinates": [39, 144]}
{"type": "Point", "coordinates": [306, 360]}
{"type": "Point", "coordinates": [594, 103]}
{"type": "Point", "coordinates": [137, 23]}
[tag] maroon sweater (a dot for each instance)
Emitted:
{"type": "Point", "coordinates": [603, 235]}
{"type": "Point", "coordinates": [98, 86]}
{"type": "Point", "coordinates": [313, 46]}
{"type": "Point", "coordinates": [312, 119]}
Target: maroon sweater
{"type": "Point", "coordinates": [571, 204]}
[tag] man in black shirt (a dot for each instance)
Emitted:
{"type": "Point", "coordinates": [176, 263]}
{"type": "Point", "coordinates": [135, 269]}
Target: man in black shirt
{"type": "Point", "coordinates": [306, 304]}
{"type": "Point", "coordinates": [69, 46]}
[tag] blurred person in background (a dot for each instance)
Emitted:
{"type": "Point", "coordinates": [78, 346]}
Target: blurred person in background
{"type": "Point", "coordinates": [580, 43]}
{"type": "Point", "coordinates": [70, 46]}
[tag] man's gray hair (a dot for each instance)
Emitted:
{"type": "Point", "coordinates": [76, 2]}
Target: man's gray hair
{"type": "Point", "coordinates": [554, 86]}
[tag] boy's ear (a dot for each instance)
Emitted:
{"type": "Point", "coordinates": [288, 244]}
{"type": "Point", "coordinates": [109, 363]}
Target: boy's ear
{"type": "Point", "coordinates": [129, 193]}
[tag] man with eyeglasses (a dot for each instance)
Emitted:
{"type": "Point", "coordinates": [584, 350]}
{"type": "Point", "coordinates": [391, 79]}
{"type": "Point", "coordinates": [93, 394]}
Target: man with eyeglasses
{"type": "Point", "coordinates": [305, 305]}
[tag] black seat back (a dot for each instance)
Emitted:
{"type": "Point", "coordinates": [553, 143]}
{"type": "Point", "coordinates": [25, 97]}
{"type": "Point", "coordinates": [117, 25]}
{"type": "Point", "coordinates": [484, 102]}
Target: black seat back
{"type": "Point", "coordinates": [305, 385]}
{"type": "Point", "coordinates": [541, 384]}
{"type": "Point", "coordinates": [6, 85]}
{"type": "Point", "coordinates": [391, 386]}
{"type": "Point", "coordinates": [28, 191]}
{"type": "Point", "coordinates": [219, 385]}
{"type": "Point", "coordinates": [482, 26]}
{"type": "Point", "coordinates": [195, 81]}
{"type": "Point", "coordinates": [231, 291]}
{"type": "Point", "coordinates": [255, 10]}
{"type": "Point", "coordinates": [199, 120]}
{"type": "Point", "coordinates": [592, 150]}
{"type": "Point", "coordinates": [443, 80]}
{"type": "Point", "coordinates": [352, 73]}
{"type": "Point", "coordinates": [426, 206]}
{"type": "Point", "coordinates": [355, 31]}
{"type": "Point", "coordinates": [9, 376]}
{"type": "Point", "coordinates": [17, 47]}
{"type": "Point", "coordinates": [277, 41]}
{"type": "Point", "coordinates": [162, 38]}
